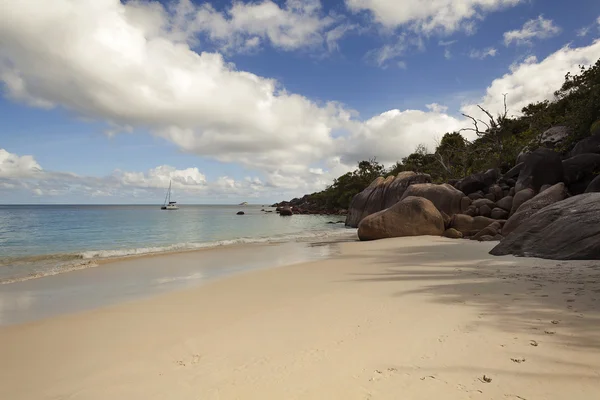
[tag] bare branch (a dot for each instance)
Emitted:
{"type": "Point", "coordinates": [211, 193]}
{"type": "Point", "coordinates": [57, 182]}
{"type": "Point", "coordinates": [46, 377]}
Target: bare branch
{"type": "Point", "coordinates": [488, 114]}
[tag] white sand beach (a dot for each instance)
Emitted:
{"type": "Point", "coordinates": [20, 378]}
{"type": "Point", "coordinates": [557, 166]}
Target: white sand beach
{"type": "Point", "coordinates": [413, 318]}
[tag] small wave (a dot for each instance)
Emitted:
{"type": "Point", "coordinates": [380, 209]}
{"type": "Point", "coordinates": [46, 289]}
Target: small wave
{"type": "Point", "coordinates": [33, 267]}
{"type": "Point", "coordinates": [187, 246]}
{"type": "Point", "coordinates": [49, 271]}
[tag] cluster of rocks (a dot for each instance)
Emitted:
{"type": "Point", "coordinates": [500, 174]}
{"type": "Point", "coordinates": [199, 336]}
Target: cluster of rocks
{"type": "Point", "coordinates": [304, 205]}
{"type": "Point", "coordinates": [547, 206]}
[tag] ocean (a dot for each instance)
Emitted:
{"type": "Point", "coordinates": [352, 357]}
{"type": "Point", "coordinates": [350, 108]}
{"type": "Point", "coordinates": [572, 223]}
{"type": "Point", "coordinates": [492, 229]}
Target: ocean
{"type": "Point", "coordinates": [42, 240]}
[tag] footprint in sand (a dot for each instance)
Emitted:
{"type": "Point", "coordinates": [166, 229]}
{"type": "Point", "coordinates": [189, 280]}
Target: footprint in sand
{"type": "Point", "coordinates": [518, 360]}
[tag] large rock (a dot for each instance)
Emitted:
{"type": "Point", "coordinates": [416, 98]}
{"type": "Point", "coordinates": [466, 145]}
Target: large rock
{"type": "Point", "coordinates": [490, 230]}
{"type": "Point", "coordinates": [413, 216]}
{"type": "Point", "coordinates": [468, 225]}
{"type": "Point", "coordinates": [554, 137]}
{"type": "Point", "coordinates": [567, 230]}
{"type": "Point", "coordinates": [505, 203]}
{"type": "Point", "coordinates": [520, 198]}
{"type": "Point", "coordinates": [499, 213]}
{"type": "Point", "coordinates": [445, 197]}
{"type": "Point", "coordinates": [514, 171]}
{"type": "Point", "coordinates": [381, 194]}
{"type": "Point", "coordinates": [541, 167]}
{"type": "Point", "coordinates": [285, 212]}
{"type": "Point", "coordinates": [475, 182]}
{"type": "Point", "coordinates": [549, 196]}
{"type": "Point", "coordinates": [484, 202]}
{"type": "Point", "coordinates": [580, 170]}
{"type": "Point", "coordinates": [452, 233]}
{"type": "Point", "coordinates": [590, 144]}
{"type": "Point", "coordinates": [594, 185]}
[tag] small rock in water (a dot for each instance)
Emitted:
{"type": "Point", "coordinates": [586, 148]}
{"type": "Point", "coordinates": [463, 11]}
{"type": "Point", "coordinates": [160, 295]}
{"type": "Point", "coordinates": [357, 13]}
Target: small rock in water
{"type": "Point", "coordinates": [240, 213]}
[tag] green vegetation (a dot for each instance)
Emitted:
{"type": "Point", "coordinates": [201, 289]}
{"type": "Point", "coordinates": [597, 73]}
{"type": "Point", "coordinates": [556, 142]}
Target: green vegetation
{"type": "Point", "coordinates": [499, 141]}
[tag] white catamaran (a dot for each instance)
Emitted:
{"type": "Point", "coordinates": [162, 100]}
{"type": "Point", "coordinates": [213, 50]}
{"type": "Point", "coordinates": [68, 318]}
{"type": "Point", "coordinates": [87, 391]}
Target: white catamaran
{"type": "Point", "coordinates": [168, 204]}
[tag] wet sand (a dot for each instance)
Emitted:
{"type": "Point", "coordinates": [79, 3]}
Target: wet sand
{"type": "Point", "coordinates": [123, 279]}
{"type": "Point", "coordinates": [414, 318]}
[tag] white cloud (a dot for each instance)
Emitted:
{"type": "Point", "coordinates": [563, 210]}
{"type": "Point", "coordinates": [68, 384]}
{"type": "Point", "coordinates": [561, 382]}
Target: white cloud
{"type": "Point", "coordinates": [395, 134]}
{"type": "Point", "coordinates": [531, 81]}
{"type": "Point", "coordinates": [14, 166]}
{"type": "Point", "coordinates": [445, 16]}
{"type": "Point", "coordinates": [119, 64]}
{"type": "Point", "coordinates": [539, 28]}
{"type": "Point", "coordinates": [383, 55]}
{"type": "Point", "coordinates": [584, 31]}
{"type": "Point", "coordinates": [24, 173]}
{"type": "Point", "coordinates": [159, 177]}
{"type": "Point", "coordinates": [437, 108]}
{"type": "Point", "coordinates": [446, 42]}
{"type": "Point", "coordinates": [296, 24]}
{"type": "Point", "coordinates": [481, 54]}
{"type": "Point", "coordinates": [113, 62]}
{"type": "Point", "coordinates": [447, 54]}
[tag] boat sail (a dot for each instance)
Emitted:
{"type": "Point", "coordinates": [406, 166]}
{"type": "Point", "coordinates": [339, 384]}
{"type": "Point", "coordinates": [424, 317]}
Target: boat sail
{"type": "Point", "coordinates": [168, 204]}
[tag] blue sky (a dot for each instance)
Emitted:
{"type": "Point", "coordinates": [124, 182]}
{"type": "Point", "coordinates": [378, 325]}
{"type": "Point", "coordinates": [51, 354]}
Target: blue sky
{"type": "Point", "coordinates": [314, 86]}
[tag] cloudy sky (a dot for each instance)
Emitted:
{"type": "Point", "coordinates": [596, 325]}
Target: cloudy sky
{"type": "Point", "coordinates": [105, 101]}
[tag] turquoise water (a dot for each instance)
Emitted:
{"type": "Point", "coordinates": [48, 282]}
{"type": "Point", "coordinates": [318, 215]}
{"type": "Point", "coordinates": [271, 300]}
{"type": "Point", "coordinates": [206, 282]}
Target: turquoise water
{"type": "Point", "coordinates": [44, 240]}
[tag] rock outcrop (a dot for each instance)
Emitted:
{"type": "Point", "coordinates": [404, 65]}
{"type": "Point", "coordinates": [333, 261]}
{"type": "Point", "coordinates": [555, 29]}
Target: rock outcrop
{"type": "Point", "coordinates": [475, 182]}
{"type": "Point", "coordinates": [590, 144]}
{"type": "Point", "coordinates": [381, 194]}
{"type": "Point", "coordinates": [579, 171]}
{"type": "Point", "coordinates": [549, 196]}
{"type": "Point", "coordinates": [543, 166]}
{"type": "Point", "coordinates": [413, 216]}
{"type": "Point", "coordinates": [555, 136]}
{"type": "Point", "coordinates": [444, 197]}
{"type": "Point", "coordinates": [520, 198]}
{"type": "Point", "coordinates": [594, 185]}
{"type": "Point", "coordinates": [285, 211]}
{"type": "Point", "coordinates": [452, 233]}
{"type": "Point", "coordinates": [567, 230]}
{"type": "Point", "coordinates": [468, 225]}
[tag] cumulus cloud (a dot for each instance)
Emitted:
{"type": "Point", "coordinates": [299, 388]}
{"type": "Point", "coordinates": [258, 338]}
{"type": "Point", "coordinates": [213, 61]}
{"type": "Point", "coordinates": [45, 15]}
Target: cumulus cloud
{"type": "Point", "coordinates": [481, 54]}
{"type": "Point", "coordinates": [443, 16]}
{"type": "Point", "coordinates": [14, 166]}
{"type": "Point", "coordinates": [132, 66]}
{"type": "Point", "coordinates": [539, 28]}
{"type": "Point", "coordinates": [114, 62]}
{"type": "Point", "coordinates": [23, 172]}
{"type": "Point", "coordinates": [532, 81]}
{"type": "Point", "coordinates": [395, 134]}
{"type": "Point", "coordinates": [242, 26]}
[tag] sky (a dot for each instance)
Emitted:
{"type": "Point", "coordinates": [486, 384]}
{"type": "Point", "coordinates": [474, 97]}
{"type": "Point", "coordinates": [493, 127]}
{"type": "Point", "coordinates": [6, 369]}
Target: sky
{"type": "Point", "coordinates": [106, 101]}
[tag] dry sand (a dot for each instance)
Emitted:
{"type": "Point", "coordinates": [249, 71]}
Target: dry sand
{"type": "Point", "coordinates": [415, 318]}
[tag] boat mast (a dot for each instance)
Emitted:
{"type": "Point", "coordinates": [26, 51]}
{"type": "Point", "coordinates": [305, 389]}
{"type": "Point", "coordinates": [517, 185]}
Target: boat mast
{"type": "Point", "coordinates": [168, 196]}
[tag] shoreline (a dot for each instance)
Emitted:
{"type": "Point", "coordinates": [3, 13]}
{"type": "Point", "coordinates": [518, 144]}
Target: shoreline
{"type": "Point", "coordinates": [77, 261]}
{"type": "Point", "coordinates": [123, 279]}
{"type": "Point", "coordinates": [426, 317]}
